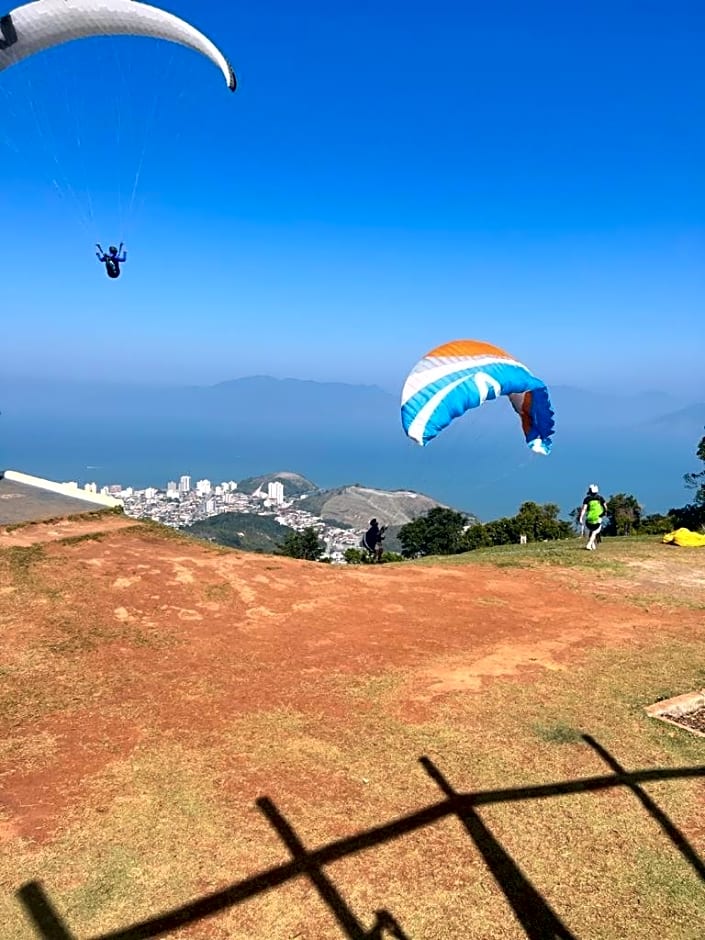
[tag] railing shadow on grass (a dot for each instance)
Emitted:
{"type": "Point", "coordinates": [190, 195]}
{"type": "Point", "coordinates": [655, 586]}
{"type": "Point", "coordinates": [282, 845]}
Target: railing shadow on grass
{"type": "Point", "coordinates": [532, 911]}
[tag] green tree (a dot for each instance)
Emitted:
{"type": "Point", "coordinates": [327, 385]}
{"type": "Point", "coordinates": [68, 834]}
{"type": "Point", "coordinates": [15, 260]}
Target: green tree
{"type": "Point", "coordinates": [537, 522]}
{"type": "Point", "coordinates": [692, 516]}
{"type": "Point", "coordinates": [696, 480]}
{"type": "Point", "coordinates": [501, 531]}
{"type": "Point", "coordinates": [540, 522]}
{"type": "Point", "coordinates": [656, 524]}
{"type": "Point", "coordinates": [357, 556]}
{"type": "Point", "coordinates": [304, 544]}
{"type": "Point", "coordinates": [624, 514]}
{"type": "Point", "coordinates": [439, 532]}
{"type": "Point", "coordinates": [574, 515]}
{"type": "Point", "coordinates": [477, 536]}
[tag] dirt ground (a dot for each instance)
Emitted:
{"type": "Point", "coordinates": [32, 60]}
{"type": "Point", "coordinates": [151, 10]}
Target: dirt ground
{"type": "Point", "coordinates": [39, 533]}
{"type": "Point", "coordinates": [124, 640]}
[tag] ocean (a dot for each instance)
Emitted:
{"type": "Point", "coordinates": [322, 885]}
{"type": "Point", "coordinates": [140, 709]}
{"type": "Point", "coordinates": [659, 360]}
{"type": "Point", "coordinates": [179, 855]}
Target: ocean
{"type": "Point", "coordinates": [471, 468]}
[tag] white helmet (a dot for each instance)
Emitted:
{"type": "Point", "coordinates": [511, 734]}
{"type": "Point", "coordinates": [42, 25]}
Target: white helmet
{"type": "Point", "coordinates": [592, 488]}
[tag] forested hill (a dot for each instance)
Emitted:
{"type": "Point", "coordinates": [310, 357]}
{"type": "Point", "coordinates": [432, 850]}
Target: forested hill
{"type": "Point", "coordinates": [244, 530]}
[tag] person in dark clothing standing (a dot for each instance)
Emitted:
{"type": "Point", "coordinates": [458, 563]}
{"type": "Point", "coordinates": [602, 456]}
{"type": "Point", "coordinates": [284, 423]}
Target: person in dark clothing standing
{"type": "Point", "coordinates": [372, 540]}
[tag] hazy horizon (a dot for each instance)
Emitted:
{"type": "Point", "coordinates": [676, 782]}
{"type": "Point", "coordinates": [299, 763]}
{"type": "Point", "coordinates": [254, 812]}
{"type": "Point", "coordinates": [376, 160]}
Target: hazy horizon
{"type": "Point", "coordinates": [336, 434]}
{"type": "Point", "coordinates": [687, 392]}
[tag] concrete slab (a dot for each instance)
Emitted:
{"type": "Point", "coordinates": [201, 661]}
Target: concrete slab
{"type": "Point", "coordinates": [22, 503]}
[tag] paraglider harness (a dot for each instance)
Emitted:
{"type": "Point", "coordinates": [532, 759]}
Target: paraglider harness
{"type": "Point", "coordinates": [596, 510]}
{"type": "Point", "coordinates": [112, 267]}
{"type": "Point", "coordinates": [7, 32]}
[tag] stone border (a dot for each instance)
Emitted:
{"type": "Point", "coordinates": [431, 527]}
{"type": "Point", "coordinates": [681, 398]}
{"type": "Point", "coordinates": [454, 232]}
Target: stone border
{"type": "Point", "coordinates": [677, 706]}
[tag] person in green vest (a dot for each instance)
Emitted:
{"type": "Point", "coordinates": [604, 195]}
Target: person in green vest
{"type": "Point", "coordinates": [592, 514]}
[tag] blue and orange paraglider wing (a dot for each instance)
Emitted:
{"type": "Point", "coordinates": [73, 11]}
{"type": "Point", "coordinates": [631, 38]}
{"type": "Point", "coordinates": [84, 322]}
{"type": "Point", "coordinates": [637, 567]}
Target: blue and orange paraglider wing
{"type": "Point", "coordinates": [459, 376]}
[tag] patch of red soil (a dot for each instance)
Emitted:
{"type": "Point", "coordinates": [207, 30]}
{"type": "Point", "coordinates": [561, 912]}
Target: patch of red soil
{"type": "Point", "coordinates": [204, 638]}
{"type": "Point", "coordinates": [40, 532]}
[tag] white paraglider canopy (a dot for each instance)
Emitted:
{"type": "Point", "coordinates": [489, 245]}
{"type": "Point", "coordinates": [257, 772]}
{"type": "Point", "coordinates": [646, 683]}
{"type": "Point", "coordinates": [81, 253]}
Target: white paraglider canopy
{"type": "Point", "coordinates": [39, 25]}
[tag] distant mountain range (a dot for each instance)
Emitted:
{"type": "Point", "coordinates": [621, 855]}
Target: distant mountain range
{"type": "Point", "coordinates": [333, 432]}
{"type": "Point", "coordinates": [691, 420]}
{"type": "Point", "coordinates": [302, 406]}
{"type": "Point", "coordinates": [244, 403]}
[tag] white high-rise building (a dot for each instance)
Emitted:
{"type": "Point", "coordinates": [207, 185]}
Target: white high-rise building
{"type": "Point", "coordinates": [151, 492]}
{"type": "Point", "coordinates": [203, 487]}
{"type": "Point", "coordinates": [185, 484]}
{"type": "Point", "coordinates": [275, 491]}
{"type": "Point", "coordinates": [172, 490]}
{"type": "Point", "coordinates": [210, 506]}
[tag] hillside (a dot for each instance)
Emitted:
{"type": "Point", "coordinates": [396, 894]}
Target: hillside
{"type": "Point", "coordinates": [247, 531]}
{"type": "Point", "coordinates": [355, 505]}
{"type": "Point", "coordinates": [347, 507]}
{"type": "Point", "coordinates": [171, 711]}
{"type": "Point", "coordinates": [294, 484]}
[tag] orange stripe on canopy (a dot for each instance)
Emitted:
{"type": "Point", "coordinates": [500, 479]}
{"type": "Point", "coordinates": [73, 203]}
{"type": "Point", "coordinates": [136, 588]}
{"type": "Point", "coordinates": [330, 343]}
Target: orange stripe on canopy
{"type": "Point", "coordinates": [467, 347]}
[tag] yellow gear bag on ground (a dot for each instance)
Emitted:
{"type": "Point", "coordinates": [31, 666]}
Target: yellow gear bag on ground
{"type": "Point", "coordinates": [685, 538]}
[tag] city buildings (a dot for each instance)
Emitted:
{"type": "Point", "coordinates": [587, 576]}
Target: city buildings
{"type": "Point", "coordinates": [275, 491]}
{"type": "Point", "coordinates": [180, 504]}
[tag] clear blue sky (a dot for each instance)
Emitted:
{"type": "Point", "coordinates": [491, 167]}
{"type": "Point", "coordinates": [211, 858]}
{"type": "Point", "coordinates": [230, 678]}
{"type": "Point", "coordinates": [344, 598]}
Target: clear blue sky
{"type": "Point", "coordinates": [387, 177]}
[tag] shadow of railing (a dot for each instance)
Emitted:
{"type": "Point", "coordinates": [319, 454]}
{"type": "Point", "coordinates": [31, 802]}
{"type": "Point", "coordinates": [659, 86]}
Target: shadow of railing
{"type": "Point", "coordinates": [536, 916]}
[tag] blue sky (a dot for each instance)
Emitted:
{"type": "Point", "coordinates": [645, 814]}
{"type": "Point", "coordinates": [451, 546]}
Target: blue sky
{"type": "Point", "coordinates": [387, 177]}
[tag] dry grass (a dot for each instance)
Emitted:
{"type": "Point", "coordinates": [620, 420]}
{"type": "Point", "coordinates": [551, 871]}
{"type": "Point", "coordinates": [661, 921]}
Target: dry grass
{"type": "Point", "coordinates": [642, 567]}
{"type": "Point", "coordinates": [91, 515]}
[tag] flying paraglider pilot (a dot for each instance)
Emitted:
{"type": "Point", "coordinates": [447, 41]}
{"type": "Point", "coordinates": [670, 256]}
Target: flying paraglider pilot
{"type": "Point", "coordinates": [38, 25]}
{"type": "Point", "coordinates": [113, 260]}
